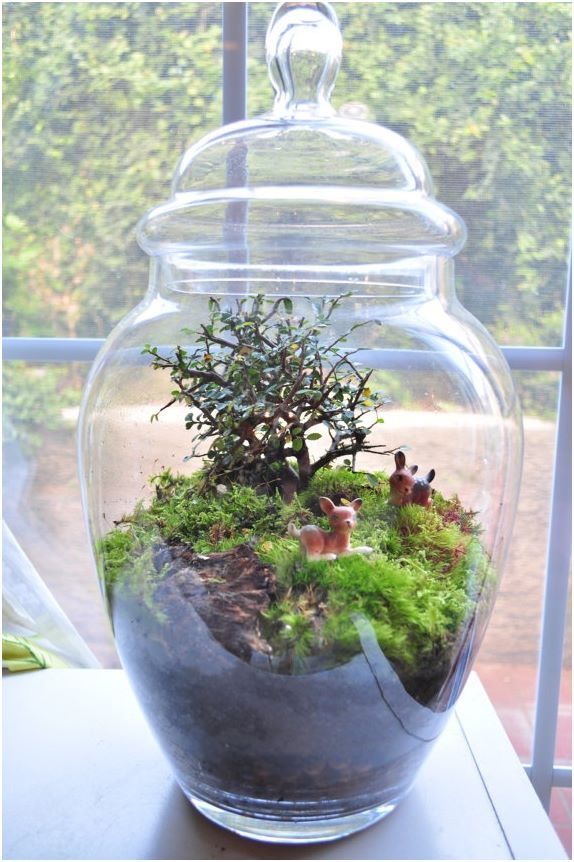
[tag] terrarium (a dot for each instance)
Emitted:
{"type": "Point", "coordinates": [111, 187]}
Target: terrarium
{"type": "Point", "coordinates": [300, 460]}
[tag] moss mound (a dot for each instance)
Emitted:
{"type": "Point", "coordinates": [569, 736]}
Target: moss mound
{"type": "Point", "coordinates": [418, 589]}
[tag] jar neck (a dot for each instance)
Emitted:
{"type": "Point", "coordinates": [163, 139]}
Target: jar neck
{"type": "Point", "coordinates": [397, 281]}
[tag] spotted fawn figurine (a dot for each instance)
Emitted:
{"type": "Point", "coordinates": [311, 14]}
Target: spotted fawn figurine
{"type": "Point", "coordinates": [405, 488]}
{"type": "Point", "coordinates": [321, 544]}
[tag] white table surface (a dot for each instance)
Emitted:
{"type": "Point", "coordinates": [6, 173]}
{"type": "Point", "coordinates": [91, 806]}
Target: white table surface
{"type": "Point", "coordinates": [85, 779]}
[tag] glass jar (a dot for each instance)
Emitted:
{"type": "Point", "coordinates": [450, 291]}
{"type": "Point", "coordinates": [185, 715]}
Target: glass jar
{"type": "Point", "coordinates": [297, 608]}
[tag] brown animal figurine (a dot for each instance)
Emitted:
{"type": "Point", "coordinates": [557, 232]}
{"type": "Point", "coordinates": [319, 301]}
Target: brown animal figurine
{"type": "Point", "coordinates": [319, 544]}
{"type": "Point", "coordinates": [405, 488]}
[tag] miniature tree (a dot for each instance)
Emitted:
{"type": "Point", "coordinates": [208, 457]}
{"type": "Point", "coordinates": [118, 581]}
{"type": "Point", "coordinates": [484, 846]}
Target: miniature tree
{"type": "Point", "coordinates": [261, 383]}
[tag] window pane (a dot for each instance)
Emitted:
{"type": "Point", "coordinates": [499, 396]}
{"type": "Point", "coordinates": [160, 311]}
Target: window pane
{"type": "Point", "coordinates": [42, 503]}
{"type": "Point", "coordinates": [561, 816]}
{"type": "Point", "coordinates": [100, 99]}
{"type": "Point", "coordinates": [508, 659]}
{"type": "Point", "coordinates": [483, 90]}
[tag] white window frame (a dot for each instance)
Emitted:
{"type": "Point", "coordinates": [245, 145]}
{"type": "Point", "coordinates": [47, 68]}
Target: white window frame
{"type": "Point", "coordinates": [543, 773]}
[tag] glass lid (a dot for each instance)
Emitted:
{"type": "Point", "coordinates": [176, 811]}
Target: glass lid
{"type": "Point", "coordinates": [302, 177]}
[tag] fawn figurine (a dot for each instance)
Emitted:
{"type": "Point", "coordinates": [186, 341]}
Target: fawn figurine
{"type": "Point", "coordinates": [405, 488]}
{"type": "Point", "coordinates": [321, 544]}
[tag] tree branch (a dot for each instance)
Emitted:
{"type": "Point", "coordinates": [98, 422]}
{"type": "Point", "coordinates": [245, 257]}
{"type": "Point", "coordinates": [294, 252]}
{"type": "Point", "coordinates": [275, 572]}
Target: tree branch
{"type": "Point", "coordinates": [348, 449]}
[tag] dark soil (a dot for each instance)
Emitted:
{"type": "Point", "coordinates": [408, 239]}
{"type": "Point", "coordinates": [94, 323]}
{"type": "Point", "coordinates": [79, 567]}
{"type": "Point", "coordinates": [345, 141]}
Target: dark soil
{"type": "Point", "coordinates": [347, 737]}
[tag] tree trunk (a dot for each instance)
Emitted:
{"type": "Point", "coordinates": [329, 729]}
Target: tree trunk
{"type": "Point", "coordinates": [289, 483]}
{"type": "Point", "coordinates": [305, 468]}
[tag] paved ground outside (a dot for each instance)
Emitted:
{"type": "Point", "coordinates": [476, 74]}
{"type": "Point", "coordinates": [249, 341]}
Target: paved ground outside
{"type": "Point", "coordinates": [503, 682]}
{"type": "Point", "coordinates": [42, 507]}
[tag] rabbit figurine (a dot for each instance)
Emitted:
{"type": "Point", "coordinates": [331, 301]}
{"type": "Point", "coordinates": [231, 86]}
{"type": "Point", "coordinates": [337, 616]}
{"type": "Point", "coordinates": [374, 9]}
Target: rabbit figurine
{"type": "Point", "coordinates": [319, 544]}
{"type": "Point", "coordinates": [405, 488]}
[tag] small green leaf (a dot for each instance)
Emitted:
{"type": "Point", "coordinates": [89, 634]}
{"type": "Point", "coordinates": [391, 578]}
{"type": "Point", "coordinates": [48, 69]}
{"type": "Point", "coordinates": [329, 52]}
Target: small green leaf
{"type": "Point", "coordinates": [297, 444]}
{"type": "Point", "coordinates": [14, 222]}
{"type": "Point", "coordinates": [313, 436]}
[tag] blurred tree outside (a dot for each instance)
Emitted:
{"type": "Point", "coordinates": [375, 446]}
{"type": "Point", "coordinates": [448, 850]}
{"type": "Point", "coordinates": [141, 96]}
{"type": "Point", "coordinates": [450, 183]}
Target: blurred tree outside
{"type": "Point", "coordinates": [34, 401]}
{"type": "Point", "coordinates": [101, 98]}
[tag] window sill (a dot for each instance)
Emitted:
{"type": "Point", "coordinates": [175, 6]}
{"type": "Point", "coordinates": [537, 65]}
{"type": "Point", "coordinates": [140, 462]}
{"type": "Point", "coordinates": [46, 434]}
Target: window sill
{"type": "Point", "coordinates": [85, 779]}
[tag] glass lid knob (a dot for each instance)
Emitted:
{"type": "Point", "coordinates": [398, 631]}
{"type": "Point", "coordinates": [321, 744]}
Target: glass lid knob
{"type": "Point", "coordinates": [303, 47]}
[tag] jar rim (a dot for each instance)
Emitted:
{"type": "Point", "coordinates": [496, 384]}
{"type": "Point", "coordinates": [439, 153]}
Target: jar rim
{"type": "Point", "coordinates": [388, 221]}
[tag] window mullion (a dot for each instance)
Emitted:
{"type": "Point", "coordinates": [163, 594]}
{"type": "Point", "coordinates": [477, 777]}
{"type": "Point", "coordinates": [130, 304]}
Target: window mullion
{"type": "Point", "coordinates": [556, 582]}
{"type": "Point", "coordinates": [85, 349]}
{"type": "Point", "coordinates": [234, 62]}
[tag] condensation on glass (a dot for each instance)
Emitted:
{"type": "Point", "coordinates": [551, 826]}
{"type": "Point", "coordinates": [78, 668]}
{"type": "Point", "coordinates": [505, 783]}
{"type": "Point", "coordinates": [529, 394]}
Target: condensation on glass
{"type": "Point", "coordinates": [303, 204]}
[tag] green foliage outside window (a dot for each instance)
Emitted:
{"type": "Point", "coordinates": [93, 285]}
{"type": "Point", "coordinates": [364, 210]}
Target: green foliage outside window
{"type": "Point", "coordinates": [99, 97]}
{"type": "Point", "coordinates": [483, 91]}
{"type": "Point", "coordinates": [97, 100]}
{"type": "Point", "coordinates": [34, 400]}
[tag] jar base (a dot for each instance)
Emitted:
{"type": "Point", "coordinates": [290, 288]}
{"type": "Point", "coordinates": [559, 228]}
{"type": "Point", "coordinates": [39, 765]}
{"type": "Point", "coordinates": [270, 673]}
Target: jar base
{"type": "Point", "coordinates": [292, 831]}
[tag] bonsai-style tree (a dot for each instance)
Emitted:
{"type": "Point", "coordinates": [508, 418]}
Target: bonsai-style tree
{"type": "Point", "coordinates": [261, 382]}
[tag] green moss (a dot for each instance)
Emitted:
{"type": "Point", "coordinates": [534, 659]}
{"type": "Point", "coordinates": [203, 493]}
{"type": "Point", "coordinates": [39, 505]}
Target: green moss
{"type": "Point", "coordinates": [126, 560]}
{"type": "Point", "coordinates": [409, 608]}
{"type": "Point", "coordinates": [113, 553]}
{"type": "Point", "coordinates": [342, 482]}
{"type": "Point", "coordinates": [289, 628]}
{"type": "Point", "coordinates": [417, 589]}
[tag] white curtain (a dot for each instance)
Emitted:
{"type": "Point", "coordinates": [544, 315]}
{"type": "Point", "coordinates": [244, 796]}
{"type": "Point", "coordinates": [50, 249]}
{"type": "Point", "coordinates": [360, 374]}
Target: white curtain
{"type": "Point", "coordinates": [36, 631]}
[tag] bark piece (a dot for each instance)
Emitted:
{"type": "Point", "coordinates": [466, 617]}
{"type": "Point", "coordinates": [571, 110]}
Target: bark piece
{"type": "Point", "coordinates": [229, 590]}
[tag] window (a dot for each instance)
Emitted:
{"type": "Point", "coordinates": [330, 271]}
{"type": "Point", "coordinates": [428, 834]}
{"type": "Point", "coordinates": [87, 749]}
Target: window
{"type": "Point", "coordinates": [99, 98]}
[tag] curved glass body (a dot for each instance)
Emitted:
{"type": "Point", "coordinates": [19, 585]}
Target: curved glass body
{"type": "Point", "coordinates": [297, 608]}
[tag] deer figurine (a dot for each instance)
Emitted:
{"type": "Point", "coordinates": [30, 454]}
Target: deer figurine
{"type": "Point", "coordinates": [321, 544]}
{"type": "Point", "coordinates": [405, 488]}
